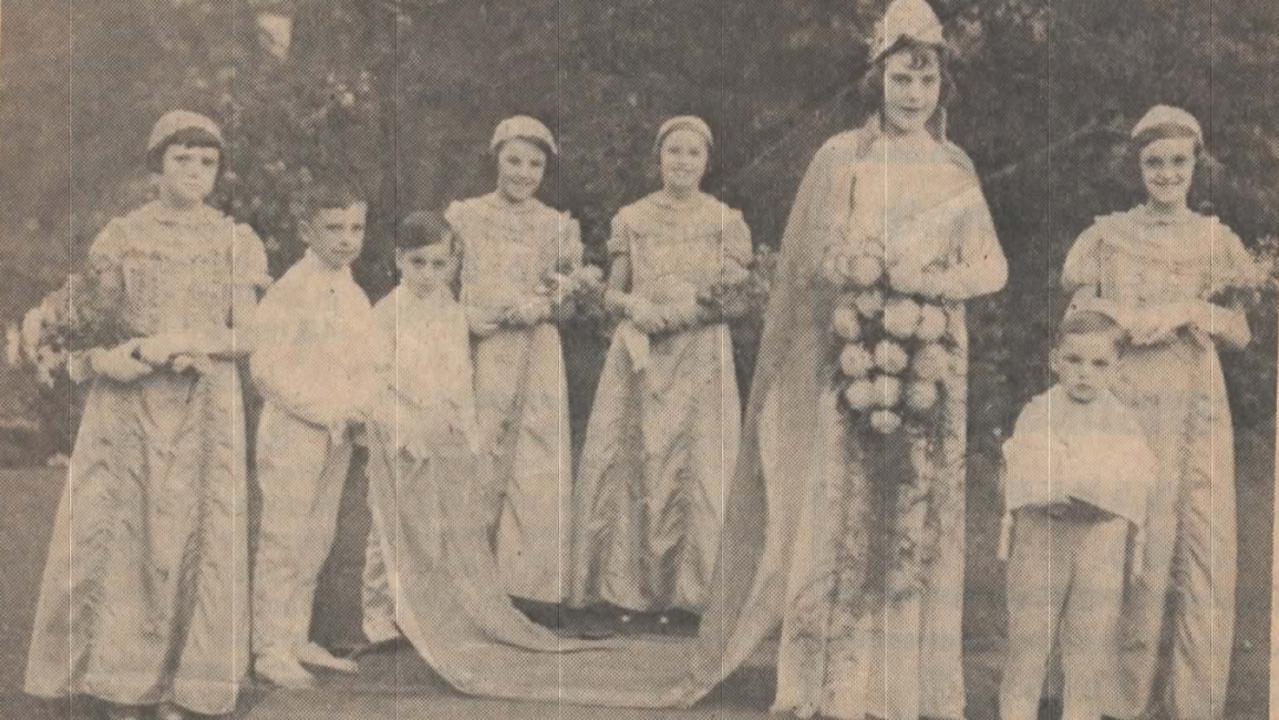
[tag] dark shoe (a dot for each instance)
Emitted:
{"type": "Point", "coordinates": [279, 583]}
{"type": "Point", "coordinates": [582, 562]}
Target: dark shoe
{"type": "Point", "coordinates": [393, 645]}
{"type": "Point", "coordinates": [547, 614]}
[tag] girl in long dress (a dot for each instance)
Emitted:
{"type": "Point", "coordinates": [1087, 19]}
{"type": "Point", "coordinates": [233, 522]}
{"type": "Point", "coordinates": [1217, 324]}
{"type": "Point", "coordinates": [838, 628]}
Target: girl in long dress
{"type": "Point", "coordinates": [664, 428]}
{"type": "Point", "coordinates": [144, 600]}
{"type": "Point", "coordinates": [509, 242]}
{"type": "Point", "coordinates": [1163, 263]}
{"type": "Point", "coordinates": [871, 621]}
{"type": "Point", "coordinates": [861, 634]}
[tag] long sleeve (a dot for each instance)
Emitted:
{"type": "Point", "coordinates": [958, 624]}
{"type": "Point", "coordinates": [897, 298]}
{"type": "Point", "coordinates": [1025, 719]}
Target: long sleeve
{"type": "Point", "coordinates": [271, 363]}
{"type": "Point", "coordinates": [314, 358]}
{"type": "Point", "coordinates": [248, 276]}
{"type": "Point", "coordinates": [1028, 457]}
{"type": "Point", "coordinates": [103, 264]}
{"type": "Point", "coordinates": [981, 268]}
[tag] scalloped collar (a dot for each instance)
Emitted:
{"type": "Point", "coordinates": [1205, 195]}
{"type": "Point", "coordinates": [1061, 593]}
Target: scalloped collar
{"type": "Point", "coordinates": [497, 203]}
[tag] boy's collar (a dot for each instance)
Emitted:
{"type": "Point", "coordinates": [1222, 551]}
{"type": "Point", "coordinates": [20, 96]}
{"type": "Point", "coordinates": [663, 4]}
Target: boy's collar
{"type": "Point", "coordinates": [440, 295]}
{"type": "Point", "coordinates": [315, 264]}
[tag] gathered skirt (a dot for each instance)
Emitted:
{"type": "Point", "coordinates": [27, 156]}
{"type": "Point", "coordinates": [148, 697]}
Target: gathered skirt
{"type": "Point", "coordinates": [144, 597]}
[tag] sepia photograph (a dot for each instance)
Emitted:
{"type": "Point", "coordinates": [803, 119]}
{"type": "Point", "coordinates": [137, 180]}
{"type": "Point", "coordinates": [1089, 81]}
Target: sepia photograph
{"type": "Point", "coordinates": [638, 359]}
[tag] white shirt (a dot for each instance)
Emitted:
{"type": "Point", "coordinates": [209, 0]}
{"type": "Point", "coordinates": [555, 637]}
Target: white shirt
{"type": "Point", "coordinates": [314, 355]}
{"type": "Point", "coordinates": [1093, 452]}
{"type": "Point", "coordinates": [425, 365]}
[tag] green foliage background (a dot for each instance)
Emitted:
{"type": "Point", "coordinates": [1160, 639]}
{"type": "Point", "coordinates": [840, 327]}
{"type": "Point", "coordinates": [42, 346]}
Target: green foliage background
{"type": "Point", "coordinates": [402, 95]}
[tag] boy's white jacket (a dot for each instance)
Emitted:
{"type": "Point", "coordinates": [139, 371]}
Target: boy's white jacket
{"type": "Point", "coordinates": [1093, 452]}
{"type": "Point", "coordinates": [313, 344]}
{"type": "Point", "coordinates": [426, 396]}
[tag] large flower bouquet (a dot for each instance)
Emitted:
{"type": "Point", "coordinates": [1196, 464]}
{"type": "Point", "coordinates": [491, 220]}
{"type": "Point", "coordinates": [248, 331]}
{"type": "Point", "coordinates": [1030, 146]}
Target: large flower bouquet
{"type": "Point", "coordinates": [890, 340]}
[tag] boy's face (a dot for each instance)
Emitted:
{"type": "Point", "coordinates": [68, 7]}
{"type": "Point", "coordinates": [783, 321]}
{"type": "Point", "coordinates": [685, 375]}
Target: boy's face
{"type": "Point", "coordinates": [427, 269]}
{"type": "Point", "coordinates": [1085, 364]}
{"type": "Point", "coordinates": [335, 235]}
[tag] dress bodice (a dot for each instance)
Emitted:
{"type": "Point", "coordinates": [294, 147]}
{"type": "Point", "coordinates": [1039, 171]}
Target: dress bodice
{"type": "Point", "coordinates": [1137, 258]}
{"type": "Point", "coordinates": [507, 249]}
{"type": "Point", "coordinates": [684, 244]}
{"type": "Point", "coordinates": [175, 271]}
{"type": "Point", "coordinates": [915, 201]}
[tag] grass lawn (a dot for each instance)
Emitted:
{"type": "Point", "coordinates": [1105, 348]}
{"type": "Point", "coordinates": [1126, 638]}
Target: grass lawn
{"type": "Point", "coordinates": [400, 685]}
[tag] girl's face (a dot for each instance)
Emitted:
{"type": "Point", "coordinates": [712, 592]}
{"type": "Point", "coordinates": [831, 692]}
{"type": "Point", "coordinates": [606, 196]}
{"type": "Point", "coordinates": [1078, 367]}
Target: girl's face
{"type": "Point", "coordinates": [427, 269]}
{"type": "Point", "coordinates": [520, 168]}
{"type": "Point", "coordinates": [187, 174]}
{"type": "Point", "coordinates": [1167, 167]}
{"type": "Point", "coordinates": [683, 159]}
{"type": "Point", "coordinates": [912, 89]}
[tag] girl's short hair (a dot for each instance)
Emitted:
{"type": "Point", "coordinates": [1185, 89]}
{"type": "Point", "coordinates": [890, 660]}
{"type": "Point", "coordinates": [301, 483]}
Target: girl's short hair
{"type": "Point", "coordinates": [423, 228]}
{"type": "Point", "coordinates": [921, 55]}
{"type": "Point", "coordinates": [193, 137]}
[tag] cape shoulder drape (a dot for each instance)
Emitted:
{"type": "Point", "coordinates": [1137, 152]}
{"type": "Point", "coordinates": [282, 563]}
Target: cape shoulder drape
{"type": "Point", "coordinates": [475, 645]}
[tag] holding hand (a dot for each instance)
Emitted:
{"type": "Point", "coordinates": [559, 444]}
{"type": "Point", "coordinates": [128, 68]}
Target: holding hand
{"type": "Point", "coordinates": [1159, 323]}
{"type": "Point", "coordinates": [647, 316]}
{"type": "Point", "coordinates": [119, 363]}
{"type": "Point", "coordinates": [160, 350]}
{"type": "Point", "coordinates": [529, 313]}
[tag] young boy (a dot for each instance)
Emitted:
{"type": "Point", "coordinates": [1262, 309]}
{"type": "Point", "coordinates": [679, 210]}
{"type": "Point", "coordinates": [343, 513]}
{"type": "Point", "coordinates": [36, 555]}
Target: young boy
{"type": "Point", "coordinates": [312, 365]}
{"type": "Point", "coordinates": [426, 405]}
{"type": "Point", "coordinates": [1079, 475]}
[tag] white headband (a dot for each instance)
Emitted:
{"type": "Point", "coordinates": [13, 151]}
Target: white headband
{"type": "Point", "coordinates": [175, 120]}
{"type": "Point", "coordinates": [526, 128]}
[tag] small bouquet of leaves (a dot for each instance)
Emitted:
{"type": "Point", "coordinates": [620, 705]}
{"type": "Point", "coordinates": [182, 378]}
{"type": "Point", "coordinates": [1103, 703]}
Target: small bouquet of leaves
{"type": "Point", "coordinates": [1255, 285]}
{"type": "Point", "coordinates": [891, 344]}
{"type": "Point", "coordinates": [740, 293]}
{"type": "Point", "coordinates": [574, 292]}
{"type": "Point", "coordinates": [86, 312]}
